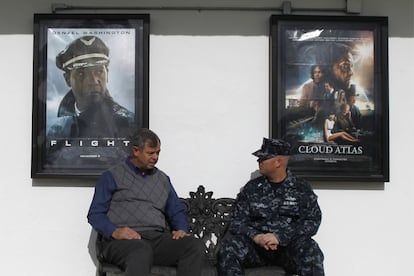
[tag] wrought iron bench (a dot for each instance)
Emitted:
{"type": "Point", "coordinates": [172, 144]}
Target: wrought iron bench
{"type": "Point", "coordinates": [208, 219]}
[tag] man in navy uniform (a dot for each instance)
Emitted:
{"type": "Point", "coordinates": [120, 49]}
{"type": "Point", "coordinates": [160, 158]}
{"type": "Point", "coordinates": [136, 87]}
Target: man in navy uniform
{"type": "Point", "coordinates": [274, 219]}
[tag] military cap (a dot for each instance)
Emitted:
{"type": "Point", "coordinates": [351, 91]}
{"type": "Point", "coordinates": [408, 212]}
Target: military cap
{"type": "Point", "coordinates": [85, 51]}
{"type": "Point", "coordinates": [272, 147]}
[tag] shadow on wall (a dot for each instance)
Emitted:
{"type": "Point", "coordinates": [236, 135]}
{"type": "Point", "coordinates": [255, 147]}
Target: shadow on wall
{"type": "Point", "coordinates": [327, 185]}
{"type": "Point", "coordinates": [92, 247]}
{"type": "Point", "coordinates": [63, 182]}
{"type": "Point", "coordinates": [166, 22]}
{"type": "Point", "coordinates": [16, 17]}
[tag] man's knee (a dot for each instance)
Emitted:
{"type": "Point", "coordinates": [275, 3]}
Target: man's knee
{"type": "Point", "coordinates": [192, 249]}
{"type": "Point", "coordinates": [195, 249]}
{"type": "Point", "coordinates": [232, 249]}
{"type": "Point", "coordinates": [132, 255]}
{"type": "Point", "coordinates": [308, 248]}
{"type": "Point", "coordinates": [226, 248]}
{"type": "Point", "coordinates": [141, 250]}
{"type": "Point", "coordinates": [308, 257]}
{"type": "Point", "coordinates": [229, 256]}
{"type": "Point", "coordinates": [122, 248]}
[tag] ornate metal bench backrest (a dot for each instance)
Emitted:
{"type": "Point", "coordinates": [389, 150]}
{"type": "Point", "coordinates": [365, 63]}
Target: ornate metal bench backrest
{"type": "Point", "coordinates": [208, 218]}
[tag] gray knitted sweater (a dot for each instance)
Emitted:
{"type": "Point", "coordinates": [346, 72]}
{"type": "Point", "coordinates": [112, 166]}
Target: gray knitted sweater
{"type": "Point", "coordinates": [139, 201]}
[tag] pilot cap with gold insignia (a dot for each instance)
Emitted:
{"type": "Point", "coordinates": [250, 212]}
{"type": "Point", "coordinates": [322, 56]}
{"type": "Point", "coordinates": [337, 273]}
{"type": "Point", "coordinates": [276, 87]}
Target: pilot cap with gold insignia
{"type": "Point", "coordinates": [85, 51]}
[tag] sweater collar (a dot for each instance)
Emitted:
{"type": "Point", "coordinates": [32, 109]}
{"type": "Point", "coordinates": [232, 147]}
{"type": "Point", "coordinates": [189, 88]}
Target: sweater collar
{"type": "Point", "coordinates": [138, 170]}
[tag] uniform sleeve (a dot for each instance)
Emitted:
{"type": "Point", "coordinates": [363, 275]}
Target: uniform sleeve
{"type": "Point", "coordinates": [240, 219]}
{"type": "Point", "coordinates": [176, 211]}
{"type": "Point", "coordinates": [305, 225]}
{"type": "Point", "coordinates": [97, 215]}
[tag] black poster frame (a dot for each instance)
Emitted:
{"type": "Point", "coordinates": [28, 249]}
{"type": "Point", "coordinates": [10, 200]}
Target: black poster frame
{"type": "Point", "coordinates": [59, 151]}
{"type": "Point", "coordinates": [300, 101]}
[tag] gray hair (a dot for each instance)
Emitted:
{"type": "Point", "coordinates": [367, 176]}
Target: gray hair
{"type": "Point", "coordinates": [143, 136]}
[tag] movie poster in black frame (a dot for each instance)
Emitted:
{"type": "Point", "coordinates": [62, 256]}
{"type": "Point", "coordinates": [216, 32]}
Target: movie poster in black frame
{"type": "Point", "coordinates": [329, 95]}
{"type": "Point", "coordinates": [90, 91]}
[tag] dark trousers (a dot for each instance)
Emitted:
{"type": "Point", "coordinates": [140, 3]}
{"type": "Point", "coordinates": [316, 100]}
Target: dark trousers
{"type": "Point", "coordinates": [302, 257]}
{"type": "Point", "coordinates": [156, 248]}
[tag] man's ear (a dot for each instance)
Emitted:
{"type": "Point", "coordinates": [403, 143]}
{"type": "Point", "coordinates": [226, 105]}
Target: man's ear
{"type": "Point", "coordinates": [278, 161]}
{"type": "Point", "coordinates": [135, 150]}
{"type": "Point", "coordinates": [283, 161]}
{"type": "Point", "coordinates": [66, 75]}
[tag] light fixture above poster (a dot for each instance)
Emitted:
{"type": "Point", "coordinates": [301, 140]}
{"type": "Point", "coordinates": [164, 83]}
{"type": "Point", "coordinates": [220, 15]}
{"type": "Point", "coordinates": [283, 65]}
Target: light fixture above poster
{"type": "Point", "coordinates": [351, 7]}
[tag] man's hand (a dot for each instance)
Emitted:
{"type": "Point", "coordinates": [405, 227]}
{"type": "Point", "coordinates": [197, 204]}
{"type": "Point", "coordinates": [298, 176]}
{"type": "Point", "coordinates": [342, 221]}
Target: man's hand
{"type": "Point", "coordinates": [268, 241]}
{"type": "Point", "coordinates": [126, 233]}
{"type": "Point", "coordinates": [179, 234]}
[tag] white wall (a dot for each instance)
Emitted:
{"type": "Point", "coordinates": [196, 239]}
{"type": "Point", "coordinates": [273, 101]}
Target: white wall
{"type": "Point", "coordinates": [209, 104]}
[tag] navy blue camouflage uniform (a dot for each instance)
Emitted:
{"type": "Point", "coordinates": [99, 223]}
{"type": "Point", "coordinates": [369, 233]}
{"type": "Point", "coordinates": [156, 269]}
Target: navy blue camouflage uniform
{"type": "Point", "coordinates": [289, 210]}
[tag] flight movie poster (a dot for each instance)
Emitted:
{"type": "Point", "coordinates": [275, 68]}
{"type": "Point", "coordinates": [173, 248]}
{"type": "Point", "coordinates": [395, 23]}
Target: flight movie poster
{"type": "Point", "coordinates": [331, 108]}
{"type": "Point", "coordinates": [93, 96]}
